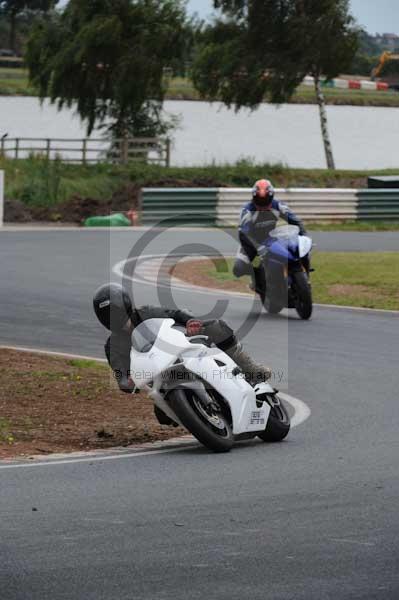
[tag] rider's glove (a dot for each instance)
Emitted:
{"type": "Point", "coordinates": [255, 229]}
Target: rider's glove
{"type": "Point", "coordinates": [194, 327]}
{"type": "Point", "coordinates": [263, 251]}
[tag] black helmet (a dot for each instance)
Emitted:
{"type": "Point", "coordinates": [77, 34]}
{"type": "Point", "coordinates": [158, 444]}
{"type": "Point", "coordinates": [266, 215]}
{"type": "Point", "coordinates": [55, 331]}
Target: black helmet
{"type": "Point", "coordinates": [112, 306]}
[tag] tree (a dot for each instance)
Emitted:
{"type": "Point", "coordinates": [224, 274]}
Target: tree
{"type": "Point", "coordinates": [262, 49]}
{"type": "Point", "coordinates": [12, 8]}
{"type": "Point", "coordinates": [108, 57]}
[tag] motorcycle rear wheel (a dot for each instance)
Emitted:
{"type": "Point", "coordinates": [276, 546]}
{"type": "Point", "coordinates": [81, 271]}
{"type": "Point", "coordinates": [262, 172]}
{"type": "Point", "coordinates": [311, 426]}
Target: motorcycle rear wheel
{"type": "Point", "coordinates": [212, 429]}
{"type": "Point", "coordinates": [278, 424]}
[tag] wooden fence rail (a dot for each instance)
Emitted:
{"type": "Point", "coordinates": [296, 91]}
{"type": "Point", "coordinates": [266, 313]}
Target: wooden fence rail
{"type": "Point", "coordinates": [89, 150]}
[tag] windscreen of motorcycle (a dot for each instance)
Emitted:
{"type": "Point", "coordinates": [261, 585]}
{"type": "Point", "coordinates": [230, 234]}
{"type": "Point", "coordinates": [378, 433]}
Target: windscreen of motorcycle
{"type": "Point", "coordinates": [145, 334]}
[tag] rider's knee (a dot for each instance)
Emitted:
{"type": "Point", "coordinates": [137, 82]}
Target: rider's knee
{"type": "Point", "coordinates": [240, 268]}
{"type": "Point", "coordinates": [220, 333]}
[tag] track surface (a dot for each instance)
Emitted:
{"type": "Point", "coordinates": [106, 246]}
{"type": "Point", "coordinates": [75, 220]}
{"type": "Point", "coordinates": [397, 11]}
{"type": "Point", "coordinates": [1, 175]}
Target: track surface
{"type": "Point", "coordinates": [315, 517]}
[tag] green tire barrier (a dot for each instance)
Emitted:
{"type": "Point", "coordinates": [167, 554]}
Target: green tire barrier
{"type": "Point", "coordinates": [374, 205]}
{"type": "Point", "coordinates": [115, 220]}
{"type": "Point", "coordinates": [221, 206]}
{"type": "Point", "coordinates": [179, 206]}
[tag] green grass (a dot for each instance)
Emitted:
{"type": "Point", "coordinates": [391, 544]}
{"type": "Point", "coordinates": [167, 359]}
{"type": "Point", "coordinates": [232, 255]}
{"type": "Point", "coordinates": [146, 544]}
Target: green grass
{"type": "Point", "coordinates": [306, 95]}
{"type": "Point", "coordinates": [5, 431]}
{"type": "Point", "coordinates": [39, 182]}
{"type": "Point", "coordinates": [365, 279]}
{"type": "Point", "coordinates": [16, 82]}
{"type": "Point", "coordinates": [372, 279]}
{"type": "Point", "coordinates": [182, 89]}
{"type": "Point", "coordinates": [82, 363]}
{"type": "Point", "coordinates": [355, 226]}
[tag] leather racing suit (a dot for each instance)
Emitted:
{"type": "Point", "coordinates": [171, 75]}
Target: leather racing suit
{"type": "Point", "coordinates": [118, 345]}
{"type": "Point", "coordinates": [255, 225]}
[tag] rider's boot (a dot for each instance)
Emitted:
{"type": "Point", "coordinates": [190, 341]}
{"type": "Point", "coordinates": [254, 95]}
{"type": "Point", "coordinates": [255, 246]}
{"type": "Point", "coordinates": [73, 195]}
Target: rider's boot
{"type": "Point", "coordinates": [223, 336]}
{"type": "Point", "coordinates": [253, 371]}
{"type": "Point", "coordinates": [258, 283]}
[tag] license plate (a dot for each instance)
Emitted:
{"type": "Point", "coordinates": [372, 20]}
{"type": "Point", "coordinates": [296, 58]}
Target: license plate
{"type": "Point", "coordinates": [257, 418]}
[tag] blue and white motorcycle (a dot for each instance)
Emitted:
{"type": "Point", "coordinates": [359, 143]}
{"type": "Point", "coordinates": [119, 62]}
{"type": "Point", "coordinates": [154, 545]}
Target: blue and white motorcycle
{"type": "Point", "coordinates": [284, 272]}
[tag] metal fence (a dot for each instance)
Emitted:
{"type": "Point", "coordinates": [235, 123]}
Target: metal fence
{"type": "Point", "coordinates": [88, 150]}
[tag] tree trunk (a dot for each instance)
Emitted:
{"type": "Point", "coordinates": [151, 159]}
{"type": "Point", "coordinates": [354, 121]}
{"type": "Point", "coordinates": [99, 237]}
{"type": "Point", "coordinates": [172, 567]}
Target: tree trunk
{"type": "Point", "coordinates": [13, 29]}
{"type": "Point", "coordinates": [324, 124]}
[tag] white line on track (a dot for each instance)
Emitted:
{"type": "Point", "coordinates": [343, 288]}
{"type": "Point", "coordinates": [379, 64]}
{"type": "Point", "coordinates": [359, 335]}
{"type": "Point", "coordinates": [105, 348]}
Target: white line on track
{"type": "Point", "coordinates": [301, 410]}
{"type": "Point", "coordinates": [93, 458]}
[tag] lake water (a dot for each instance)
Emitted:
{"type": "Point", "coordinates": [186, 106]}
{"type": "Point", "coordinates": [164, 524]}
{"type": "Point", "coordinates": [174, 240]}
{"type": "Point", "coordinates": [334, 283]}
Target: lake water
{"type": "Point", "coordinates": [362, 137]}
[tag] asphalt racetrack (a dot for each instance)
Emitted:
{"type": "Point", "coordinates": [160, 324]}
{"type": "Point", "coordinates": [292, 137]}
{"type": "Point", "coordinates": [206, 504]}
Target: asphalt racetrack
{"type": "Point", "coordinates": [315, 517]}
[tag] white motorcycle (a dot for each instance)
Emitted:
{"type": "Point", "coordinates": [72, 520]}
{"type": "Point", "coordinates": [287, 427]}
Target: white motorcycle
{"type": "Point", "coordinates": [200, 387]}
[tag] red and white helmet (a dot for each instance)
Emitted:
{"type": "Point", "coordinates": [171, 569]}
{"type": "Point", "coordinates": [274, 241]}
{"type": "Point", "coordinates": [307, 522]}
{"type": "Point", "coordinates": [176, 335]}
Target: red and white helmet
{"type": "Point", "coordinates": [263, 192]}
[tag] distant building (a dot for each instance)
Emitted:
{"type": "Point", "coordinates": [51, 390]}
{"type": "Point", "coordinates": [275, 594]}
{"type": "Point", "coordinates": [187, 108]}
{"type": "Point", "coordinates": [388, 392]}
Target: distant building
{"type": "Point", "coordinates": [387, 41]}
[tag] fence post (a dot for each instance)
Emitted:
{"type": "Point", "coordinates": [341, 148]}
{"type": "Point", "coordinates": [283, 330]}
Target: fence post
{"type": "Point", "coordinates": [168, 152]}
{"type": "Point", "coordinates": [16, 148]}
{"type": "Point", "coordinates": [2, 153]}
{"type": "Point", "coordinates": [48, 147]}
{"type": "Point", "coordinates": [1, 198]}
{"type": "Point", "coordinates": [84, 150]}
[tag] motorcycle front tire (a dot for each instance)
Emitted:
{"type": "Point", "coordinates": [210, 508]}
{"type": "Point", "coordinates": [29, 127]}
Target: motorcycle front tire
{"type": "Point", "coordinates": [184, 408]}
{"type": "Point", "coordinates": [303, 295]}
{"type": "Point", "coordinates": [278, 423]}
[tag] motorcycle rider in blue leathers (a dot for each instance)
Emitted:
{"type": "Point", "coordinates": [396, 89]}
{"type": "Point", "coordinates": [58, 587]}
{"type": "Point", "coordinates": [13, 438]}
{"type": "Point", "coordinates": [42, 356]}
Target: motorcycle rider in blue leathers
{"type": "Point", "coordinates": [258, 218]}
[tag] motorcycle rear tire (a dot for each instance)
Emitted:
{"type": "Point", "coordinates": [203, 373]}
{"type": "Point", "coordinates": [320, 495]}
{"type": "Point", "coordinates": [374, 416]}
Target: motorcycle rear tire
{"type": "Point", "coordinates": [272, 306]}
{"type": "Point", "coordinates": [183, 406]}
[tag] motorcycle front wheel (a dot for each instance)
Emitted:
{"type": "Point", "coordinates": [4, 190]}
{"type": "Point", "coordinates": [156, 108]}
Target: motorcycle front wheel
{"type": "Point", "coordinates": [279, 422]}
{"type": "Point", "coordinates": [303, 295]}
{"type": "Point", "coordinates": [209, 425]}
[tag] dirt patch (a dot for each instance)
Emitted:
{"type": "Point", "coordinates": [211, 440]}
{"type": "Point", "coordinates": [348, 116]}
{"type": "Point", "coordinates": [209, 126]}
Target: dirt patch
{"type": "Point", "coordinates": [74, 210]}
{"type": "Point", "coordinates": [16, 211]}
{"type": "Point", "coordinates": [77, 208]}
{"type": "Point", "coordinates": [355, 290]}
{"type": "Point", "coordinates": [204, 273]}
{"type": "Point", "coordinates": [51, 404]}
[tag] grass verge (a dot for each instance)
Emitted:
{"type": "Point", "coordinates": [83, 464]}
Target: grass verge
{"type": "Point", "coordinates": [43, 187]}
{"type": "Point", "coordinates": [355, 226]}
{"type": "Point", "coordinates": [51, 404]}
{"type": "Point", "coordinates": [15, 82]}
{"type": "Point", "coordinates": [182, 89]}
{"type": "Point", "coordinates": [363, 279]}
{"type": "Point", "coordinates": [56, 180]}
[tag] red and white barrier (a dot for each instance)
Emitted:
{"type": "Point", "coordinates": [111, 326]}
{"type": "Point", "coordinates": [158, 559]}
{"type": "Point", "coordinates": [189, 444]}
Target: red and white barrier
{"type": "Point", "coordinates": [342, 84]}
{"type": "Point", "coordinates": [351, 84]}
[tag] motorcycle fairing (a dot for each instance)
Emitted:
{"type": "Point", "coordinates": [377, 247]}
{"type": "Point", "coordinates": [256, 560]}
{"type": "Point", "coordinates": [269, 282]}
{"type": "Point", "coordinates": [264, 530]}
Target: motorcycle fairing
{"type": "Point", "coordinates": [304, 245]}
{"type": "Point", "coordinates": [170, 345]}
